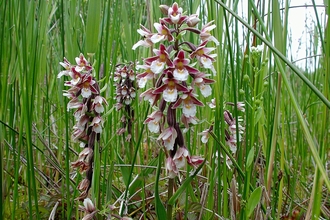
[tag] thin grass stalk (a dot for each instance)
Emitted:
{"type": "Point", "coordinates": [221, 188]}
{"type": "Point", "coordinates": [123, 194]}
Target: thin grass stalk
{"type": "Point", "coordinates": [133, 161]}
{"type": "Point", "coordinates": [315, 201]}
{"type": "Point", "coordinates": [280, 44]}
{"type": "Point", "coordinates": [234, 95]}
{"type": "Point", "coordinates": [28, 86]}
{"type": "Point", "coordinates": [66, 189]}
{"type": "Point", "coordinates": [215, 176]}
{"type": "Point", "coordinates": [105, 37]}
{"type": "Point", "coordinates": [282, 164]}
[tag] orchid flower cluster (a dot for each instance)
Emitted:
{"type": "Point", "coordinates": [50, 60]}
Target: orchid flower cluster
{"type": "Point", "coordinates": [176, 80]}
{"type": "Point", "coordinates": [84, 95]}
{"type": "Point", "coordinates": [124, 78]}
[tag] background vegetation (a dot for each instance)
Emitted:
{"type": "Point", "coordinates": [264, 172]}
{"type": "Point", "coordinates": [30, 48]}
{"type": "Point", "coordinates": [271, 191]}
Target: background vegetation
{"type": "Point", "coordinates": [280, 170]}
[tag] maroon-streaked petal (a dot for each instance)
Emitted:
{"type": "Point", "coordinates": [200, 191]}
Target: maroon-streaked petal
{"type": "Point", "coordinates": [180, 55]}
{"type": "Point", "coordinates": [169, 63]}
{"type": "Point", "coordinates": [162, 48]}
{"type": "Point", "coordinates": [209, 57]}
{"type": "Point", "coordinates": [208, 81]}
{"type": "Point", "coordinates": [181, 88]}
{"type": "Point", "coordinates": [170, 37]}
{"type": "Point", "coordinates": [177, 103]}
{"type": "Point", "coordinates": [191, 69]}
{"type": "Point", "coordinates": [195, 160]}
{"type": "Point", "coordinates": [151, 59]}
{"type": "Point", "coordinates": [93, 89]}
{"type": "Point", "coordinates": [141, 75]}
{"type": "Point", "coordinates": [160, 89]}
{"type": "Point", "coordinates": [196, 101]}
{"type": "Point", "coordinates": [195, 30]}
{"type": "Point", "coordinates": [167, 20]}
{"type": "Point", "coordinates": [182, 19]}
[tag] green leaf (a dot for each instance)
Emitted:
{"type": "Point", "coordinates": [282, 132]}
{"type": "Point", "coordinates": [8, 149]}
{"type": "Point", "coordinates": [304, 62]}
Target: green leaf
{"type": "Point", "coordinates": [253, 201]}
{"type": "Point", "coordinates": [125, 170]}
{"type": "Point", "coordinates": [257, 115]}
{"type": "Point", "coordinates": [93, 26]}
{"type": "Point", "coordinates": [250, 157]}
{"type": "Point", "coordinates": [160, 209]}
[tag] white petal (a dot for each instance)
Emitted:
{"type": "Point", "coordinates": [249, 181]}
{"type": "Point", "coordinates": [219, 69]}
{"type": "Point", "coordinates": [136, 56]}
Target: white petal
{"type": "Point", "coordinates": [79, 68]}
{"type": "Point", "coordinates": [86, 92]}
{"type": "Point", "coordinates": [153, 126]}
{"type": "Point", "coordinates": [97, 128]}
{"type": "Point", "coordinates": [89, 204]}
{"type": "Point", "coordinates": [75, 81]}
{"type": "Point", "coordinates": [142, 82]}
{"type": "Point", "coordinates": [211, 38]}
{"type": "Point", "coordinates": [157, 38]}
{"type": "Point", "coordinates": [140, 43]}
{"type": "Point", "coordinates": [189, 110]}
{"type": "Point", "coordinates": [206, 62]}
{"type": "Point", "coordinates": [210, 28]}
{"type": "Point", "coordinates": [170, 95]}
{"type": "Point", "coordinates": [169, 144]}
{"type": "Point", "coordinates": [63, 73]}
{"type": "Point", "coordinates": [142, 32]}
{"type": "Point", "coordinates": [156, 66]}
{"type": "Point", "coordinates": [206, 90]}
{"type": "Point", "coordinates": [180, 162]}
{"type": "Point", "coordinates": [176, 18]}
{"type": "Point", "coordinates": [204, 139]}
{"type": "Point", "coordinates": [99, 108]}
{"type": "Point", "coordinates": [181, 75]}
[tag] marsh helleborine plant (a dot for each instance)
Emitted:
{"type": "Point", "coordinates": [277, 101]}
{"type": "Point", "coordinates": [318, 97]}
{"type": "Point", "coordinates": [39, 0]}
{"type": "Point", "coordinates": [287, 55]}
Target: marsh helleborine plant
{"type": "Point", "coordinates": [177, 80]}
{"type": "Point", "coordinates": [84, 95]}
{"type": "Point", "coordinates": [124, 78]}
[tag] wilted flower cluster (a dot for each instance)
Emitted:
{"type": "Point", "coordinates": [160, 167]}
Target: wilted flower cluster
{"type": "Point", "coordinates": [124, 78]}
{"type": "Point", "coordinates": [84, 95]}
{"type": "Point", "coordinates": [177, 81]}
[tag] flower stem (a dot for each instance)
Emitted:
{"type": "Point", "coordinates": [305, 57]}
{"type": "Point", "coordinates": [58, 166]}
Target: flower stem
{"type": "Point", "coordinates": [169, 195]}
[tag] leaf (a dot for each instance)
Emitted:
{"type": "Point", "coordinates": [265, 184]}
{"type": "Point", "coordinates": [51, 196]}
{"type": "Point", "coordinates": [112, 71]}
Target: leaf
{"type": "Point", "coordinates": [250, 157]}
{"type": "Point", "coordinates": [253, 201]}
{"type": "Point", "coordinates": [160, 209]}
{"type": "Point", "coordinates": [257, 115]}
{"type": "Point", "coordinates": [125, 171]}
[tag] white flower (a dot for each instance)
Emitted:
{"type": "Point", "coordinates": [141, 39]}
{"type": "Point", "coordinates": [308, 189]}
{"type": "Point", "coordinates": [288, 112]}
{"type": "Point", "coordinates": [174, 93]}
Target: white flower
{"type": "Point", "coordinates": [189, 109]}
{"type": "Point", "coordinates": [180, 74]}
{"type": "Point", "coordinates": [170, 94]}
{"type": "Point", "coordinates": [86, 92]}
{"type": "Point", "coordinates": [157, 66]}
{"type": "Point", "coordinates": [205, 90]}
{"type": "Point", "coordinates": [142, 82]}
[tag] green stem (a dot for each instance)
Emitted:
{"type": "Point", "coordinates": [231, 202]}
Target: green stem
{"type": "Point", "coordinates": [169, 195]}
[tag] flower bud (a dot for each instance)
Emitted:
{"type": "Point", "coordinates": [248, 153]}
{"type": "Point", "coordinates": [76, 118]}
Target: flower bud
{"type": "Point", "coordinates": [192, 20]}
{"type": "Point", "coordinates": [164, 9]}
